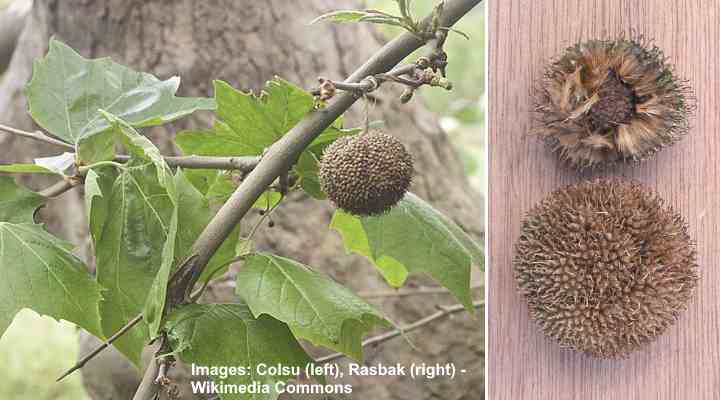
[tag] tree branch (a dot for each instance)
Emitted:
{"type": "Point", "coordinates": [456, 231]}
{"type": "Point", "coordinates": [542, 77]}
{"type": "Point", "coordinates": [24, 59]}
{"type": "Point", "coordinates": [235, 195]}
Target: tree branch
{"type": "Point", "coordinates": [60, 187]}
{"type": "Point", "coordinates": [283, 153]}
{"type": "Point", "coordinates": [244, 164]}
{"type": "Point", "coordinates": [280, 157]}
{"type": "Point", "coordinates": [37, 135]}
{"type": "Point", "coordinates": [375, 340]}
{"type": "Point", "coordinates": [149, 387]}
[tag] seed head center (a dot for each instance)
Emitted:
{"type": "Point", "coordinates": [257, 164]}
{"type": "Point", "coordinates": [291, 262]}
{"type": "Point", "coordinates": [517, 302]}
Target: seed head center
{"type": "Point", "coordinates": [616, 105]}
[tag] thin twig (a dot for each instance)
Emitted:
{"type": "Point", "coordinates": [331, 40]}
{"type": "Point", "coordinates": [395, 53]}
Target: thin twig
{"type": "Point", "coordinates": [375, 340]}
{"type": "Point", "coordinates": [409, 292]}
{"type": "Point", "coordinates": [281, 155]}
{"type": "Point", "coordinates": [102, 347]}
{"type": "Point", "coordinates": [244, 164]}
{"type": "Point", "coordinates": [372, 82]}
{"type": "Point", "coordinates": [37, 135]}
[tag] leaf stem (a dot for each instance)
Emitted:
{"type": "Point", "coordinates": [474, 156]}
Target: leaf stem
{"type": "Point", "coordinates": [81, 363]}
{"type": "Point", "coordinates": [375, 340]}
{"type": "Point", "coordinates": [83, 170]}
{"type": "Point", "coordinates": [282, 154]}
{"type": "Point", "coordinates": [243, 163]}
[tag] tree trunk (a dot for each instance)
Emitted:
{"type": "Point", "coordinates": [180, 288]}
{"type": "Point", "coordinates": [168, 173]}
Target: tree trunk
{"type": "Point", "coordinates": [246, 43]}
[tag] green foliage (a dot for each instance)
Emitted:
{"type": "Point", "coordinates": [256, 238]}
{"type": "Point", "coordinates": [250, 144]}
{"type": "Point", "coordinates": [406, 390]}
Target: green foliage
{"type": "Point", "coordinates": [26, 169]}
{"type": "Point", "coordinates": [130, 250]}
{"type": "Point", "coordinates": [40, 272]}
{"type": "Point", "coordinates": [228, 334]}
{"type": "Point", "coordinates": [143, 149]}
{"type": "Point", "coordinates": [144, 218]}
{"type": "Point", "coordinates": [67, 90]}
{"type": "Point", "coordinates": [62, 164]}
{"type": "Point", "coordinates": [17, 204]}
{"type": "Point", "coordinates": [247, 124]}
{"type": "Point", "coordinates": [314, 306]}
{"type": "Point", "coordinates": [33, 353]}
{"type": "Point", "coordinates": [413, 237]}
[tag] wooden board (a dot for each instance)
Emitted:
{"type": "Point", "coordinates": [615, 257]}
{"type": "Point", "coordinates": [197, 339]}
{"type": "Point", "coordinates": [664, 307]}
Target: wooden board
{"type": "Point", "coordinates": [685, 362]}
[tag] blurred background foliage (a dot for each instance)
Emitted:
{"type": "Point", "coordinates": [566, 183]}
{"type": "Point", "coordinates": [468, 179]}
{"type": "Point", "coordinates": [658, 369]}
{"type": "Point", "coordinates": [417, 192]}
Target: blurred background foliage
{"type": "Point", "coordinates": [36, 350]}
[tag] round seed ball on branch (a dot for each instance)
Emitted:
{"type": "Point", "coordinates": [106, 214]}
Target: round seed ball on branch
{"type": "Point", "coordinates": [366, 174]}
{"type": "Point", "coordinates": [608, 101]}
{"type": "Point", "coordinates": [605, 266]}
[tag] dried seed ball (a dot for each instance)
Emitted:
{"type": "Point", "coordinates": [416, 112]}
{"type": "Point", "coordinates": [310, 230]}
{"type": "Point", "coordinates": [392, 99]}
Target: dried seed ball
{"type": "Point", "coordinates": [608, 101]}
{"type": "Point", "coordinates": [605, 266]}
{"type": "Point", "coordinates": [366, 174]}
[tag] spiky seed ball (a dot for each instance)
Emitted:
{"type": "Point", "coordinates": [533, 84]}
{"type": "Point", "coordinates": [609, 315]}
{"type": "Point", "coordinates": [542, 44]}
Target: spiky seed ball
{"type": "Point", "coordinates": [366, 174]}
{"type": "Point", "coordinates": [605, 266]}
{"type": "Point", "coordinates": [608, 101]}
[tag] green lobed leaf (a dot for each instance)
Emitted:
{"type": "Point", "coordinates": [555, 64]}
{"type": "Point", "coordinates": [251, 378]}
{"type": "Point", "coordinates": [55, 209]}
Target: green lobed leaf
{"type": "Point", "coordinates": [131, 250]}
{"type": "Point", "coordinates": [228, 334]}
{"type": "Point", "coordinates": [248, 123]}
{"type": "Point", "coordinates": [314, 306]}
{"type": "Point", "coordinates": [26, 169]}
{"type": "Point", "coordinates": [140, 240]}
{"type": "Point", "coordinates": [17, 204]}
{"type": "Point", "coordinates": [413, 237]}
{"type": "Point", "coordinates": [67, 90]}
{"type": "Point", "coordinates": [40, 272]}
{"type": "Point", "coordinates": [141, 148]}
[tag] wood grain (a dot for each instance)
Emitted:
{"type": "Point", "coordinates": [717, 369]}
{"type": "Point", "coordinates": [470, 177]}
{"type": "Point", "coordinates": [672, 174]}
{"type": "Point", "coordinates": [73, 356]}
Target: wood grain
{"type": "Point", "coordinates": [685, 362]}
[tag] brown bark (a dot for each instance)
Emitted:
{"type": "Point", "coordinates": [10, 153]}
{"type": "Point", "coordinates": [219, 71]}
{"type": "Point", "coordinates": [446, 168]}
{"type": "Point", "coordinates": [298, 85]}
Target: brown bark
{"type": "Point", "coordinates": [245, 43]}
